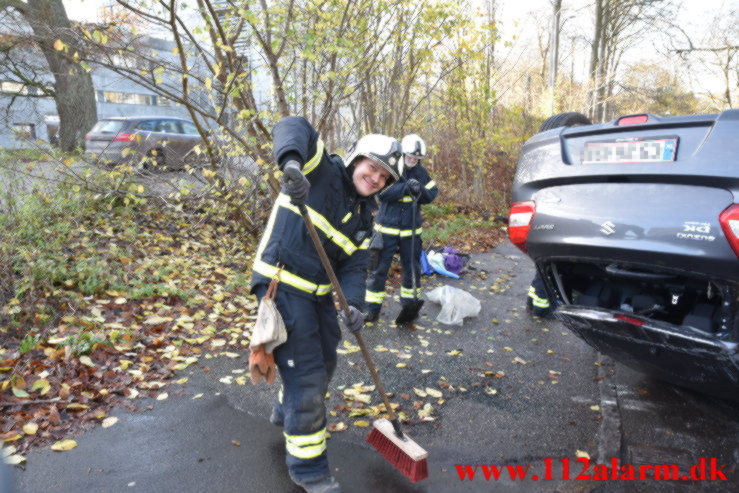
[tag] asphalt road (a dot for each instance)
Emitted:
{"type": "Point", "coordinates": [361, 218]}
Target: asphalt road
{"type": "Point", "coordinates": [552, 397]}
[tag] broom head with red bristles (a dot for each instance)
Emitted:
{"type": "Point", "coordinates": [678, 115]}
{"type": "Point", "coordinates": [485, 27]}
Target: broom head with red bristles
{"type": "Point", "coordinates": [403, 453]}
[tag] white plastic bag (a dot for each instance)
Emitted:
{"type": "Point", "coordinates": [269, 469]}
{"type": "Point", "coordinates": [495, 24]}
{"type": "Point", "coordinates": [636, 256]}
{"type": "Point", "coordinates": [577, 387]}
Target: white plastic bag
{"type": "Point", "coordinates": [456, 304]}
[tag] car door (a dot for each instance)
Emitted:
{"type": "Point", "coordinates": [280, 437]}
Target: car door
{"type": "Point", "coordinates": [170, 141]}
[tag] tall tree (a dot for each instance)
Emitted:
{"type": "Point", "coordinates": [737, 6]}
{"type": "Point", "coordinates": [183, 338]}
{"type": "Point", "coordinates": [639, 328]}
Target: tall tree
{"type": "Point", "coordinates": [59, 43]}
{"type": "Point", "coordinates": [618, 25]}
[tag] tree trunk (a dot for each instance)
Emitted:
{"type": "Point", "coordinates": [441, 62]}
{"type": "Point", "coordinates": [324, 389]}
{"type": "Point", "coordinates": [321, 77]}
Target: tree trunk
{"type": "Point", "coordinates": [75, 94]}
{"type": "Point", "coordinates": [597, 35]}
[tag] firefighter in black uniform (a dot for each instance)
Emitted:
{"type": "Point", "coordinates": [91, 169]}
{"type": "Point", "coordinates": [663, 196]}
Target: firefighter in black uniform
{"type": "Point", "coordinates": [538, 300]}
{"type": "Point", "coordinates": [339, 197]}
{"type": "Point", "coordinates": [395, 224]}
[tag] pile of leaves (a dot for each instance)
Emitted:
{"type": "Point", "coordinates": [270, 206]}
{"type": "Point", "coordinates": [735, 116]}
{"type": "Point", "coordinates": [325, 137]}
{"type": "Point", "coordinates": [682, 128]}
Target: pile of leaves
{"type": "Point", "coordinates": [173, 289]}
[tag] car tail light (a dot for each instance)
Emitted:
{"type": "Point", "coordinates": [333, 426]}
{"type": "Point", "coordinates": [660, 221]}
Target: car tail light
{"type": "Point", "coordinates": [519, 222]}
{"type": "Point", "coordinates": [632, 120]}
{"type": "Point", "coordinates": [125, 137]}
{"type": "Point", "coordinates": [631, 320]}
{"type": "Point", "coordinates": [729, 220]}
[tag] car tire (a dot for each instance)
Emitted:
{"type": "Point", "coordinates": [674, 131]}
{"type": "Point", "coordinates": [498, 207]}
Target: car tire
{"type": "Point", "coordinates": [154, 156]}
{"type": "Point", "coordinates": [571, 119]}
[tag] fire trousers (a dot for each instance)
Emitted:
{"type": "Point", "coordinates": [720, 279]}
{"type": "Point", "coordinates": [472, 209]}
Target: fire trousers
{"type": "Point", "coordinates": [306, 363]}
{"type": "Point", "coordinates": [391, 243]}
{"type": "Point", "coordinates": [538, 300]}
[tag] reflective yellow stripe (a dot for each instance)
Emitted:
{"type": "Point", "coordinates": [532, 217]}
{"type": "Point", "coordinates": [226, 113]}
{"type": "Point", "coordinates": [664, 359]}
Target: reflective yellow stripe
{"type": "Point", "coordinates": [305, 452]}
{"type": "Point", "coordinates": [267, 231]}
{"type": "Point", "coordinates": [397, 232]}
{"type": "Point", "coordinates": [306, 446]}
{"type": "Point", "coordinates": [536, 301]}
{"type": "Point", "coordinates": [311, 165]}
{"type": "Point", "coordinates": [386, 230]}
{"type": "Point", "coordinates": [408, 232]}
{"type": "Point", "coordinates": [406, 199]}
{"type": "Point", "coordinates": [431, 184]}
{"type": "Point", "coordinates": [374, 296]}
{"type": "Point", "coordinates": [302, 440]}
{"type": "Point", "coordinates": [346, 218]}
{"type": "Point", "coordinates": [408, 292]}
{"type": "Point", "coordinates": [321, 223]}
{"type": "Point", "coordinates": [271, 271]}
{"type": "Point", "coordinates": [365, 244]}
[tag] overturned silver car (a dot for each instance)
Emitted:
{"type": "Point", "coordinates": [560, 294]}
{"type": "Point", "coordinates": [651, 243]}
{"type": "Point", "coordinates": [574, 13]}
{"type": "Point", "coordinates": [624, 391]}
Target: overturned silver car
{"type": "Point", "coordinates": [634, 227]}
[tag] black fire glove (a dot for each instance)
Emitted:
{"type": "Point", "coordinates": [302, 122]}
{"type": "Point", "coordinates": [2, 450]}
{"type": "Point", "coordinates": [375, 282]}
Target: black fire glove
{"type": "Point", "coordinates": [295, 184]}
{"type": "Point", "coordinates": [375, 247]}
{"type": "Point", "coordinates": [414, 186]}
{"type": "Point", "coordinates": [355, 321]}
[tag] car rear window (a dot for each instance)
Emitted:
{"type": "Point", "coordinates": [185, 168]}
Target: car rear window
{"type": "Point", "coordinates": [108, 126]}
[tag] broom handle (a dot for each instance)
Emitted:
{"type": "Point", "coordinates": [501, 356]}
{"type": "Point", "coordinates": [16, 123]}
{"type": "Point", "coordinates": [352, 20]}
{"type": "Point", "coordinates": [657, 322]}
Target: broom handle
{"type": "Point", "coordinates": [345, 308]}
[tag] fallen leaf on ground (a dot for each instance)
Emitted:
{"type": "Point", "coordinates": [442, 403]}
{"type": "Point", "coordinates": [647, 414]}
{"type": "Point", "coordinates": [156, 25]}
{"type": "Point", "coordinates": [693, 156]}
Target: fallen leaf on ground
{"type": "Point", "coordinates": [64, 445]}
{"type": "Point", "coordinates": [30, 428]}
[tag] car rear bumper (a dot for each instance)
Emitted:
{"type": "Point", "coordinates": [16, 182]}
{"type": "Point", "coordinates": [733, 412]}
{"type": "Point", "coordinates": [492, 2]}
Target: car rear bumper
{"type": "Point", "coordinates": [681, 355]}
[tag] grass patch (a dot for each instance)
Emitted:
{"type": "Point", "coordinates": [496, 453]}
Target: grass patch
{"type": "Point", "coordinates": [446, 225]}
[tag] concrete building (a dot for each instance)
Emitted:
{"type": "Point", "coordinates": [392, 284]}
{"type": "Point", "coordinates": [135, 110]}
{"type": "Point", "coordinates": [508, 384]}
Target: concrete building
{"type": "Point", "coordinates": [28, 116]}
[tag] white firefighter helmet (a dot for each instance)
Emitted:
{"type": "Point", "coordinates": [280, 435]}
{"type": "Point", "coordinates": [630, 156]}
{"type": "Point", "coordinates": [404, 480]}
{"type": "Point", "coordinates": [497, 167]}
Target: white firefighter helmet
{"type": "Point", "coordinates": [385, 151]}
{"type": "Point", "coordinates": [414, 146]}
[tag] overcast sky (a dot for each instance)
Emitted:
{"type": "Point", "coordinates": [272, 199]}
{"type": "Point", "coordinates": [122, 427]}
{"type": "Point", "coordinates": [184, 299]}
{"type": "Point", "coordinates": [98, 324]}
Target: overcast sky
{"type": "Point", "coordinates": [515, 18]}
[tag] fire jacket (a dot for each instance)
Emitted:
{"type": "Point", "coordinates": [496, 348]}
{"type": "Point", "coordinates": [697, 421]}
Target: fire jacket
{"type": "Point", "coordinates": [396, 204]}
{"type": "Point", "coordinates": [342, 218]}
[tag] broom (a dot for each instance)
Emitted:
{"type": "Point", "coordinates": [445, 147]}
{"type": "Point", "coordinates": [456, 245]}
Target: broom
{"type": "Point", "coordinates": [386, 437]}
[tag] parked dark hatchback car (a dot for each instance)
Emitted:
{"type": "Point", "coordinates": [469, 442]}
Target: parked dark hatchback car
{"type": "Point", "coordinates": [634, 227]}
{"type": "Point", "coordinates": [164, 141]}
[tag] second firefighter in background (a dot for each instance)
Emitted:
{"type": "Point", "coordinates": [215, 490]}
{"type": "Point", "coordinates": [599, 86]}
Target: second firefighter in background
{"type": "Point", "coordinates": [396, 221]}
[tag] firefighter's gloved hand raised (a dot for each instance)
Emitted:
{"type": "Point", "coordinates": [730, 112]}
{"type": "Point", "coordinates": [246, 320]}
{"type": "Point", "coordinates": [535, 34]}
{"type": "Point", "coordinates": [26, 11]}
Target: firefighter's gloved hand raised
{"type": "Point", "coordinates": [414, 186]}
{"type": "Point", "coordinates": [295, 184]}
{"type": "Point", "coordinates": [355, 321]}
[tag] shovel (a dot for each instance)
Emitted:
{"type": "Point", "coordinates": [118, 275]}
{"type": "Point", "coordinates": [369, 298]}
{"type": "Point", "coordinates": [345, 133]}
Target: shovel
{"type": "Point", "coordinates": [409, 312]}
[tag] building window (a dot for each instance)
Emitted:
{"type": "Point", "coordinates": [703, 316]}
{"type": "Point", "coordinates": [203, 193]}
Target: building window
{"type": "Point", "coordinates": [10, 87]}
{"type": "Point", "coordinates": [24, 131]}
{"type": "Point", "coordinates": [127, 98]}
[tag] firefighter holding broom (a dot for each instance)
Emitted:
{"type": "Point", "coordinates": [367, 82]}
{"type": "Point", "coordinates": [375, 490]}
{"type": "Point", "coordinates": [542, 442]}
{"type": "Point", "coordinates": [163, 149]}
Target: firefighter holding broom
{"type": "Point", "coordinates": [398, 227]}
{"type": "Point", "coordinates": [337, 195]}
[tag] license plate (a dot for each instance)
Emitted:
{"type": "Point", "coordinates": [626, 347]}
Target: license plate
{"type": "Point", "coordinates": [631, 151]}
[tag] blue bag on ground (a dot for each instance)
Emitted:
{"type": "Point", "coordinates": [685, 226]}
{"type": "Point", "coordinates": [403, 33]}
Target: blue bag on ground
{"type": "Point", "coordinates": [425, 266]}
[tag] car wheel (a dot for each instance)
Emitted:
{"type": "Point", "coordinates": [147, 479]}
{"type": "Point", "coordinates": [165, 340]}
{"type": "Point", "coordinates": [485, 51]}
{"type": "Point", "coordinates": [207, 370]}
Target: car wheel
{"type": "Point", "coordinates": [571, 119]}
{"type": "Point", "coordinates": [154, 160]}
